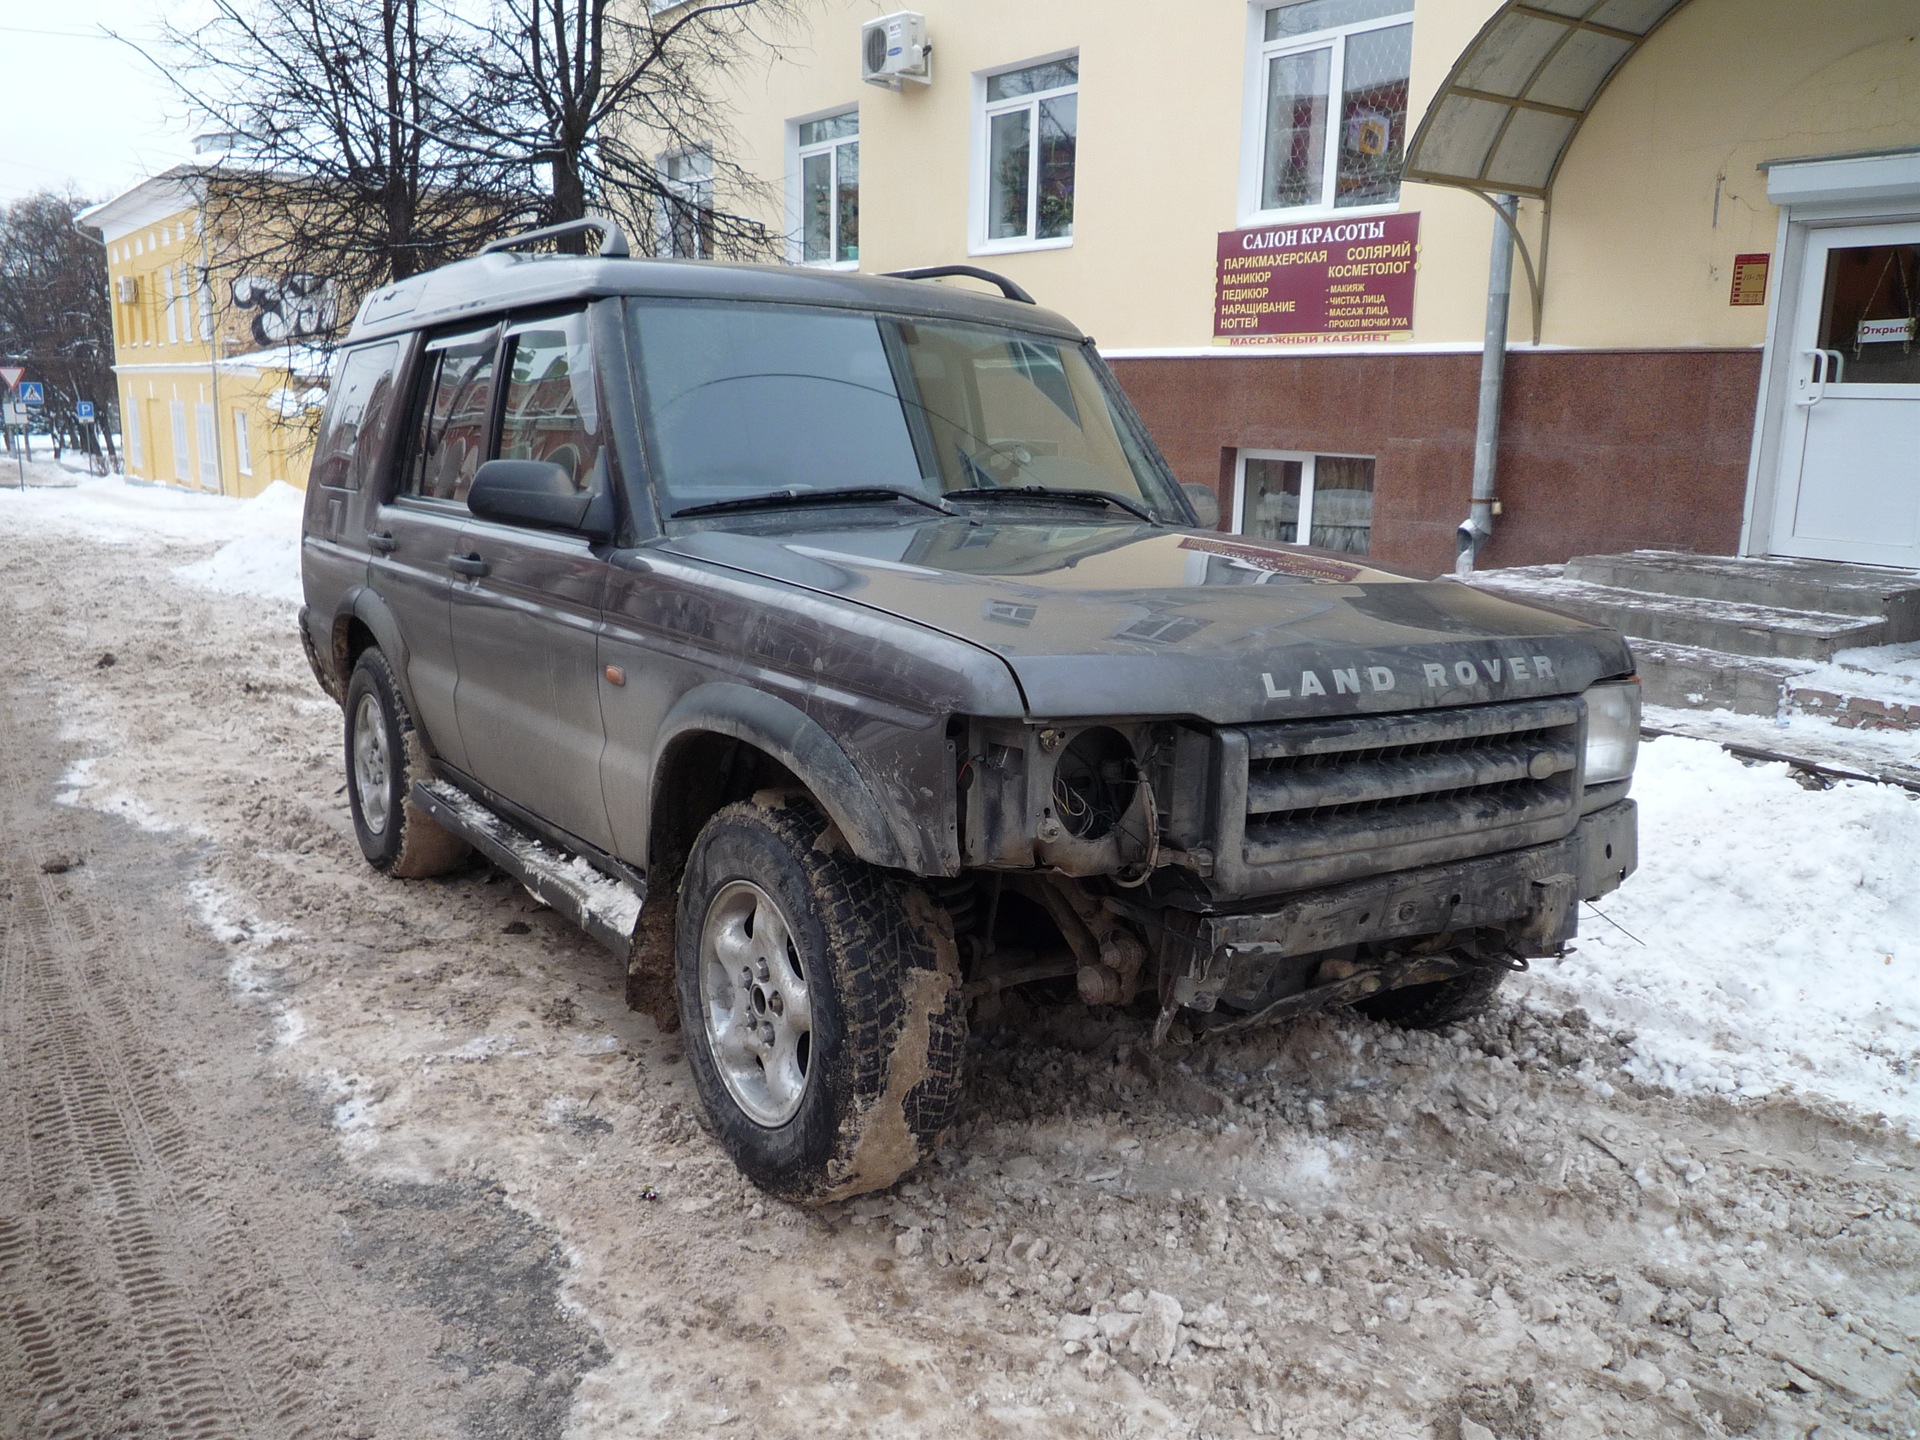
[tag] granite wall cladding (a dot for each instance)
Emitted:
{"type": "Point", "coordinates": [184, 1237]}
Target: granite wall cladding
{"type": "Point", "coordinates": [1599, 450]}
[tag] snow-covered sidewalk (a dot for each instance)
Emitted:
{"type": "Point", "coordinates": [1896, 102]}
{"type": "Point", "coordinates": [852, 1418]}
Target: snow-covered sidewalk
{"type": "Point", "coordinates": [1770, 941]}
{"type": "Point", "coordinates": [258, 539]}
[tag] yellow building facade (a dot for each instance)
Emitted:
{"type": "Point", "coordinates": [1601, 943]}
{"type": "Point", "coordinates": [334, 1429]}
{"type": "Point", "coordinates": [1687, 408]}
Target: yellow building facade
{"type": "Point", "coordinates": [217, 391]}
{"type": "Point", "coordinates": [1683, 171]}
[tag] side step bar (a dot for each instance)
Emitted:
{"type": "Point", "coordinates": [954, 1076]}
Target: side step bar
{"type": "Point", "coordinates": [606, 908]}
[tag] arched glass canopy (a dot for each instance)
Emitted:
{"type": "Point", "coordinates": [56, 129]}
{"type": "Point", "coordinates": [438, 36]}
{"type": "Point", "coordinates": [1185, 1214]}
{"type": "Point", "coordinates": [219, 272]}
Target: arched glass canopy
{"type": "Point", "coordinates": [1515, 98]}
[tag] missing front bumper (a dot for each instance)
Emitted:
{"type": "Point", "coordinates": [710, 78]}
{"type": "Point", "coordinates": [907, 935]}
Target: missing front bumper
{"type": "Point", "coordinates": [1521, 903]}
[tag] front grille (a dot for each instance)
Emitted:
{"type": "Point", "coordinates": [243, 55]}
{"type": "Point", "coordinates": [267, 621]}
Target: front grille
{"type": "Point", "coordinates": [1308, 802]}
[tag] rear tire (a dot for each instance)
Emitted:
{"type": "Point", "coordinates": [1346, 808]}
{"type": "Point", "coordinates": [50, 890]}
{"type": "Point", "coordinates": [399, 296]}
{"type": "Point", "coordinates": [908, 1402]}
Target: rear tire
{"type": "Point", "coordinates": [1442, 1002]}
{"type": "Point", "coordinates": [821, 1003]}
{"type": "Point", "coordinates": [384, 758]}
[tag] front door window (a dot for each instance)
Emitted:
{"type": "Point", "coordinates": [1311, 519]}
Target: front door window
{"type": "Point", "coordinates": [1868, 313]}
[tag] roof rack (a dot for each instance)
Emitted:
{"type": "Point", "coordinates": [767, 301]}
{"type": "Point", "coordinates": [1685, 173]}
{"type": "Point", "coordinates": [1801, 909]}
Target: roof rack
{"type": "Point", "coordinates": [936, 272]}
{"type": "Point", "coordinates": [613, 244]}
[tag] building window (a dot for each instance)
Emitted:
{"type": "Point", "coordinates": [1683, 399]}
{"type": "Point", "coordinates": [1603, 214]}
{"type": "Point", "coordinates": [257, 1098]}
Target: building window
{"type": "Point", "coordinates": [686, 210]}
{"type": "Point", "coordinates": [182, 458]}
{"type": "Point", "coordinates": [1327, 104]}
{"type": "Point", "coordinates": [173, 327]}
{"type": "Point", "coordinates": [136, 452]}
{"type": "Point", "coordinates": [242, 444]}
{"type": "Point", "coordinates": [829, 167]}
{"type": "Point", "coordinates": [204, 422]}
{"type": "Point", "coordinates": [1029, 126]}
{"type": "Point", "coordinates": [1304, 499]}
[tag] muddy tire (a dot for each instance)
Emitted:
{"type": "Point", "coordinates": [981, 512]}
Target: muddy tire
{"type": "Point", "coordinates": [1428, 1007]}
{"type": "Point", "coordinates": [384, 758]}
{"type": "Point", "coordinates": [821, 1003]}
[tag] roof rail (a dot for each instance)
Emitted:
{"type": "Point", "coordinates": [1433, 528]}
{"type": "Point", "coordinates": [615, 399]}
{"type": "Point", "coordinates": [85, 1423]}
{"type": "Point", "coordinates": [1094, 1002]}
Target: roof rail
{"type": "Point", "coordinates": [613, 244]}
{"type": "Point", "coordinates": [936, 272]}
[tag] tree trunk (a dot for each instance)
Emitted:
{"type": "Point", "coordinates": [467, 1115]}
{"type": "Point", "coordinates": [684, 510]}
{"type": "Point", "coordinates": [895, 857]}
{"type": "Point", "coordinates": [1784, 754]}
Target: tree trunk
{"type": "Point", "coordinates": [569, 190]}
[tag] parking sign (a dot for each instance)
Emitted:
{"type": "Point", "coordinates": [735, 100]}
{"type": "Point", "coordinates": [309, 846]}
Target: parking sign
{"type": "Point", "coordinates": [83, 409]}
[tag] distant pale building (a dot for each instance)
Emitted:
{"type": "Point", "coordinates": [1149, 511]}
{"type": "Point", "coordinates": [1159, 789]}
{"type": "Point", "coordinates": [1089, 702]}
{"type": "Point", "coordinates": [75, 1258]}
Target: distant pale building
{"type": "Point", "coordinates": [218, 382]}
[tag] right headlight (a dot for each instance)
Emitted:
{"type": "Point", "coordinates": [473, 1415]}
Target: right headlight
{"type": "Point", "coordinates": [1613, 731]}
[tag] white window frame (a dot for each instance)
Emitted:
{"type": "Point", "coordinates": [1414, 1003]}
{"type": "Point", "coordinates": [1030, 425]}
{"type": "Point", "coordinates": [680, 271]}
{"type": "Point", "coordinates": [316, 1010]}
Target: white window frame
{"type": "Point", "coordinates": [207, 432]}
{"type": "Point", "coordinates": [663, 235]}
{"type": "Point", "coordinates": [173, 322]}
{"type": "Point", "coordinates": [983, 113]}
{"type": "Point", "coordinates": [136, 451]}
{"type": "Point", "coordinates": [1253, 124]}
{"type": "Point", "coordinates": [242, 443]}
{"type": "Point", "coordinates": [797, 156]}
{"type": "Point", "coordinates": [182, 455]}
{"type": "Point", "coordinates": [1308, 463]}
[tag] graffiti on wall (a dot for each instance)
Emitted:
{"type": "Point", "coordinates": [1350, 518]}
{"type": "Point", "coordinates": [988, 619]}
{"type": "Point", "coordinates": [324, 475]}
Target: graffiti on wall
{"type": "Point", "coordinates": [294, 307]}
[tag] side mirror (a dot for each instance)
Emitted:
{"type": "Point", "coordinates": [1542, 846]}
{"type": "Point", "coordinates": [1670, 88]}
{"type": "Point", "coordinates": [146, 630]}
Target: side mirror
{"type": "Point", "coordinates": [531, 492]}
{"type": "Point", "coordinates": [1205, 504]}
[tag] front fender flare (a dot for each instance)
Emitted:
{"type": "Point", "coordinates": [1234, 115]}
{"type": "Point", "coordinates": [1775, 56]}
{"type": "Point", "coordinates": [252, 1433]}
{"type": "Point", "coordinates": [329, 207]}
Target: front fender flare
{"type": "Point", "coordinates": [798, 742]}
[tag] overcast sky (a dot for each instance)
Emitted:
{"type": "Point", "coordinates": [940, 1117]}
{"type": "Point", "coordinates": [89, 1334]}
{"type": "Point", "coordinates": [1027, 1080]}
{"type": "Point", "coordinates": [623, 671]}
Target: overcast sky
{"type": "Point", "coordinates": [78, 108]}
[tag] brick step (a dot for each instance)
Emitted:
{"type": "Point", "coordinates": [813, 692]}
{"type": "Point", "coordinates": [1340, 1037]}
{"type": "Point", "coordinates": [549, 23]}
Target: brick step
{"type": "Point", "coordinates": [1807, 585]}
{"type": "Point", "coordinates": [1730, 626]}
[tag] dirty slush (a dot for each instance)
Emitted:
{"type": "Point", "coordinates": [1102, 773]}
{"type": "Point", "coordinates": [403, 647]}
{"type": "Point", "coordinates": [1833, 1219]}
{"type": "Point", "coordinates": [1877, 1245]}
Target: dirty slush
{"type": "Point", "coordinates": [288, 1148]}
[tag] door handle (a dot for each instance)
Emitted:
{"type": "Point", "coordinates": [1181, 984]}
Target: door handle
{"type": "Point", "coordinates": [471, 565]}
{"type": "Point", "coordinates": [383, 541]}
{"type": "Point", "coordinates": [1813, 381]}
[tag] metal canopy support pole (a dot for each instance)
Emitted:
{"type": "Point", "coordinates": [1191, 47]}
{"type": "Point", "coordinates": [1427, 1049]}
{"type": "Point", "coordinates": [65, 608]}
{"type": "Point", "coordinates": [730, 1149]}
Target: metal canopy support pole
{"type": "Point", "coordinates": [1477, 528]}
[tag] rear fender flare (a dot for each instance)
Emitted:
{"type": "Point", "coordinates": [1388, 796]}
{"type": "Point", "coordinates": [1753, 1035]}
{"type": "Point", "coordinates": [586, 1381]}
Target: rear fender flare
{"type": "Point", "coordinates": [364, 604]}
{"type": "Point", "coordinates": [798, 742]}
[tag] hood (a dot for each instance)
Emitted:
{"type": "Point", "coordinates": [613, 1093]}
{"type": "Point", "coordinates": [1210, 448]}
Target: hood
{"type": "Point", "coordinates": [1102, 619]}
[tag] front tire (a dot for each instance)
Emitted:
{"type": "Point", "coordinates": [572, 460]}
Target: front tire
{"type": "Point", "coordinates": [384, 758]}
{"type": "Point", "coordinates": [821, 1002]}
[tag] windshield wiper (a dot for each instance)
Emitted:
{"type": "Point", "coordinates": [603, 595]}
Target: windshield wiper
{"type": "Point", "coordinates": [780, 499]}
{"type": "Point", "coordinates": [1046, 492]}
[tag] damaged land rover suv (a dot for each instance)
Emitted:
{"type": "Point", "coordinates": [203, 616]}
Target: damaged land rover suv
{"type": "Point", "coordinates": [847, 637]}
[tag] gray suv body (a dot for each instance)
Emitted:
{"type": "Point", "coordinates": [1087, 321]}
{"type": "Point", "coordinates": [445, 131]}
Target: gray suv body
{"type": "Point", "coordinates": [854, 628]}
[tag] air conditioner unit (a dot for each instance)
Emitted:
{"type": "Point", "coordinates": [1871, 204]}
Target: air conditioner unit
{"type": "Point", "coordinates": [126, 289]}
{"type": "Point", "coordinates": [894, 49]}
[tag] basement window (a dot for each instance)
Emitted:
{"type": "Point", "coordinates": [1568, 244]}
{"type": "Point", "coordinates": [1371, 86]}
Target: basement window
{"type": "Point", "coordinates": [1298, 498]}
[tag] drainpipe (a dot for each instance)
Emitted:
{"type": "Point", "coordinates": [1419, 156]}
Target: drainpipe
{"type": "Point", "coordinates": [1477, 528]}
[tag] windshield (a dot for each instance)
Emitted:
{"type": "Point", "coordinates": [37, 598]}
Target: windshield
{"type": "Point", "coordinates": [752, 400]}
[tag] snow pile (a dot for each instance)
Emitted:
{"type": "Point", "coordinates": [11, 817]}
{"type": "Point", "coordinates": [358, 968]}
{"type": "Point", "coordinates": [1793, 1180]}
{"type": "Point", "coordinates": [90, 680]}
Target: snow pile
{"type": "Point", "coordinates": [1774, 940]}
{"type": "Point", "coordinates": [264, 557]}
{"type": "Point", "coordinates": [117, 511]}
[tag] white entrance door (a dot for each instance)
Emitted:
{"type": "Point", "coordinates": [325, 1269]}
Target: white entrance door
{"type": "Point", "coordinates": [1849, 486]}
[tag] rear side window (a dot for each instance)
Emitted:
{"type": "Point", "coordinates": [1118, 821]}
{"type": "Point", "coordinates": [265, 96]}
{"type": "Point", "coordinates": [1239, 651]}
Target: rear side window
{"type": "Point", "coordinates": [454, 400]}
{"type": "Point", "coordinates": [357, 417]}
{"type": "Point", "coordinates": [550, 411]}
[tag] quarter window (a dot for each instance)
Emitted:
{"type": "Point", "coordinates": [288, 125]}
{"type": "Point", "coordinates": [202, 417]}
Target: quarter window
{"type": "Point", "coordinates": [1302, 499]}
{"type": "Point", "coordinates": [830, 190]}
{"type": "Point", "coordinates": [356, 420]}
{"type": "Point", "coordinates": [1332, 103]}
{"type": "Point", "coordinates": [1031, 126]}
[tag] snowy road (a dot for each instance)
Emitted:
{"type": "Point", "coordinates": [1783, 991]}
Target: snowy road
{"type": "Point", "coordinates": [288, 1148]}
